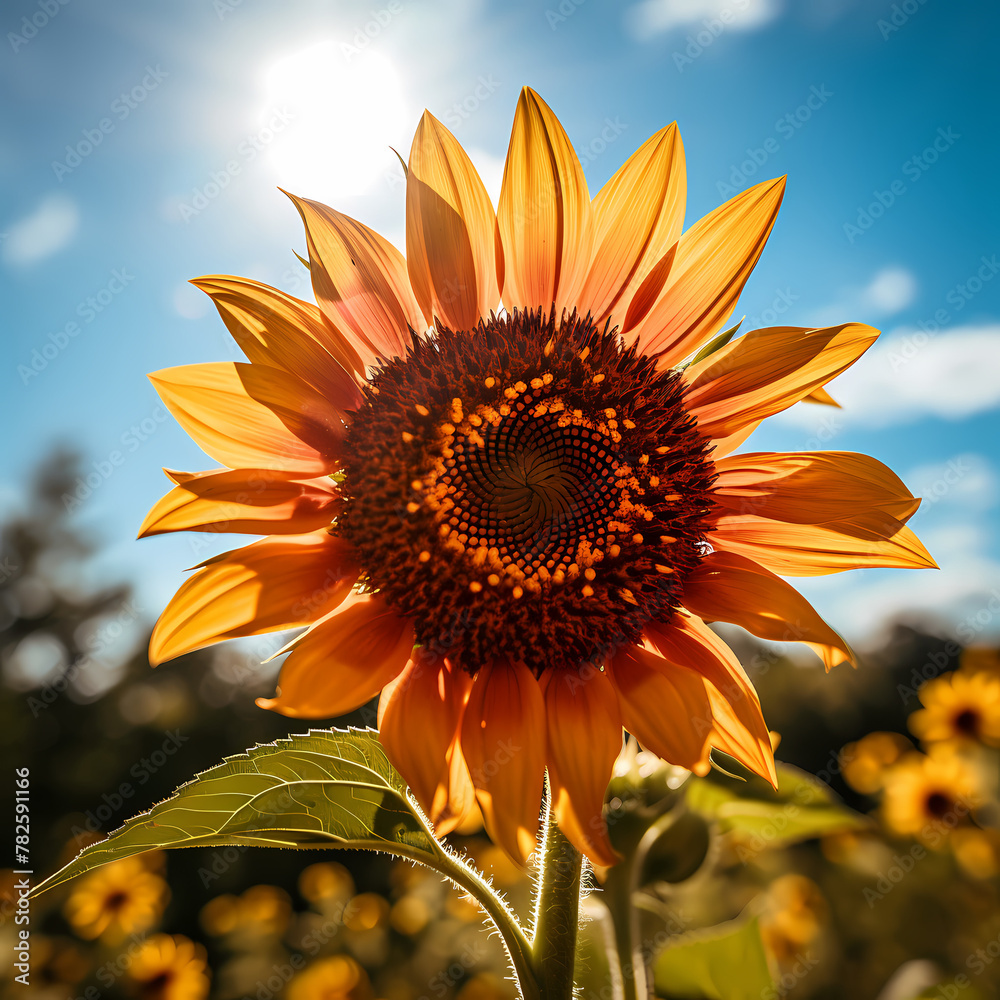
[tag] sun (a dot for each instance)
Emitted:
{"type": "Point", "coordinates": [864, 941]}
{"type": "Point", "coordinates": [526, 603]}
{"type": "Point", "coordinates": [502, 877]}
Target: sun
{"type": "Point", "coordinates": [339, 99]}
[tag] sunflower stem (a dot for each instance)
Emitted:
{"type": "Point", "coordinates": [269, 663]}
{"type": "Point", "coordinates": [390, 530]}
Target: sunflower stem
{"type": "Point", "coordinates": [619, 891]}
{"type": "Point", "coordinates": [557, 913]}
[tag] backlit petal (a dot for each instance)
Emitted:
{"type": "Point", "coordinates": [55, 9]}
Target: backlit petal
{"type": "Point", "coordinates": [248, 501]}
{"type": "Point", "coordinates": [730, 588]}
{"type": "Point", "coordinates": [713, 260]}
{"type": "Point", "coordinates": [343, 661]}
{"type": "Point", "coordinates": [689, 642]}
{"type": "Point", "coordinates": [253, 416]}
{"type": "Point", "coordinates": [452, 241]}
{"type": "Point", "coordinates": [638, 216]}
{"type": "Point", "coordinates": [767, 371]}
{"type": "Point", "coordinates": [276, 329]}
{"type": "Point", "coordinates": [810, 487]}
{"type": "Point", "coordinates": [419, 726]}
{"type": "Point", "coordinates": [544, 212]}
{"type": "Point", "coordinates": [872, 538]}
{"type": "Point", "coordinates": [503, 740]}
{"type": "Point", "coordinates": [584, 739]}
{"type": "Point", "coordinates": [360, 282]}
{"type": "Point", "coordinates": [273, 584]}
{"type": "Point", "coordinates": [665, 706]}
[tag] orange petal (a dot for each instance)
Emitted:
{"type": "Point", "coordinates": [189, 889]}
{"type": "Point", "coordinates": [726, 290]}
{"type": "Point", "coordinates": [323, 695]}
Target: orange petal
{"type": "Point", "coordinates": [273, 584]}
{"type": "Point", "coordinates": [544, 213]}
{"type": "Point", "coordinates": [584, 739]}
{"type": "Point", "coordinates": [248, 501]}
{"type": "Point", "coordinates": [872, 538]}
{"type": "Point", "coordinates": [638, 216]}
{"type": "Point", "coordinates": [730, 588]}
{"type": "Point", "coordinates": [767, 371]}
{"type": "Point", "coordinates": [343, 661]}
{"type": "Point", "coordinates": [360, 282]}
{"type": "Point", "coordinates": [419, 725]}
{"type": "Point", "coordinates": [810, 487]}
{"type": "Point", "coordinates": [279, 330]}
{"type": "Point", "coordinates": [689, 642]}
{"type": "Point", "coordinates": [503, 741]}
{"type": "Point", "coordinates": [822, 397]}
{"type": "Point", "coordinates": [713, 260]}
{"type": "Point", "coordinates": [253, 416]}
{"type": "Point", "coordinates": [724, 445]}
{"type": "Point", "coordinates": [666, 706]}
{"type": "Point", "coordinates": [452, 241]}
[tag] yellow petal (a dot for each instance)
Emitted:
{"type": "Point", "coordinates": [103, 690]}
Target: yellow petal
{"type": "Point", "coordinates": [767, 371]}
{"type": "Point", "coordinates": [687, 641]}
{"type": "Point", "coordinates": [360, 282]}
{"type": "Point", "coordinates": [810, 487]}
{"type": "Point", "coordinates": [872, 538]}
{"type": "Point", "coordinates": [503, 741]}
{"type": "Point", "coordinates": [584, 739]}
{"type": "Point", "coordinates": [276, 329]}
{"type": "Point", "coordinates": [638, 216]}
{"type": "Point", "coordinates": [343, 661]}
{"type": "Point", "coordinates": [249, 501]}
{"type": "Point", "coordinates": [452, 242]}
{"type": "Point", "coordinates": [544, 213]}
{"type": "Point", "coordinates": [666, 706]}
{"type": "Point", "coordinates": [730, 588]}
{"type": "Point", "coordinates": [273, 584]}
{"type": "Point", "coordinates": [419, 725]}
{"type": "Point", "coordinates": [253, 416]}
{"type": "Point", "coordinates": [822, 397]}
{"type": "Point", "coordinates": [713, 260]}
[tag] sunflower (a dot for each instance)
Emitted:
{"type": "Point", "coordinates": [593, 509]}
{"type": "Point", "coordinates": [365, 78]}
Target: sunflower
{"type": "Point", "coordinates": [927, 795]}
{"type": "Point", "coordinates": [960, 708]}
{"type": "Point", "coordinates": [117, 900]}
{"type": "Point", "coordinates": [169, 967]}
{"type": "Point", "coordinates": [337, 977]}
{"type": "Point", "coordinates": [515, 523]}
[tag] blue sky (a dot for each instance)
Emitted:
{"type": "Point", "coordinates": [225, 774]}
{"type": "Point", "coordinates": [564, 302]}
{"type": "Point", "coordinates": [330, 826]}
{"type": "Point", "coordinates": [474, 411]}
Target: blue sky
{"type": "Point", "coordinates": [142, 145]}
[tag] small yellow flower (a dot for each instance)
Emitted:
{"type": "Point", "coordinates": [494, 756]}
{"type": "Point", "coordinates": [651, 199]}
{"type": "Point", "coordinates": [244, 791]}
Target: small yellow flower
{"type": "Point", "coordinates": [326, 880]}
{"type": "Point", "coordinates": [169, 967]}
{"type": "Point", "coordinates": [863, 763]}
{"type": "Point", "coordinates": [337, 977]}
{"type": "Point", "coordinates": [977, 851]}
{"type": "Point", "coordinates": [122, 898]}
{"type": "Point", "coordinates": [960, 708]}
{"type": "Point", "coordinates": [928, 795]}
{"type": "Point", "coordinates": [262, 911]}
{"type": "Point", "coordinates": [794, 916]}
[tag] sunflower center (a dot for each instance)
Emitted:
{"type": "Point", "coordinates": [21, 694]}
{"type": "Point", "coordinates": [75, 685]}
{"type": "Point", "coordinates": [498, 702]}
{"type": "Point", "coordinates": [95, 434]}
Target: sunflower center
{"type": "Point", "coordinates": [967, 721]}
{"type": "Point", "coordinates": [938, 804]}
{"type": "Point", "coordinates": [526, 491]}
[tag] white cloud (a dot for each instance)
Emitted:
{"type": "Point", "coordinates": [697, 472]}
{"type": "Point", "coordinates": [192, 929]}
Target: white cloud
{"type": "Point", "coordinates": [891, 290]}
{"type": "Point", "coordinates": [490, 169]}
{"type": "Point", "coordinates": [911, 375]}
{"type": "Point", "coordinates": [654, 17]}
{"type": "Point", "coordinates": [967, 481]}
{"type": "Point", "coordinates": [39, 235]}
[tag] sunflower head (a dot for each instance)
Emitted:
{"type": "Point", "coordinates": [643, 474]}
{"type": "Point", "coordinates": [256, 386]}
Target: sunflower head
{"type": "Point", "coordinates": [120, 899]}
{"type": "Point", "coordinates": [495, 480]}
{"type": "Point", "coordinates": [929, 795]}
{"type": "Point", "coordinates": [961, 708]}
{"type": "Point", "coordinates": [169, 967]}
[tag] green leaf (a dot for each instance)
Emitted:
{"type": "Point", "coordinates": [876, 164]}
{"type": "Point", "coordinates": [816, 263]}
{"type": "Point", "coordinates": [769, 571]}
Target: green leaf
{"type": "Point", "coordinates": [330, 788]}
{"type": "Point", "coordinates": [716, 343]}
{"type": "Point", "coordinates": [724, 963]}
{"type": "Point", "coordinates": [802, 807]}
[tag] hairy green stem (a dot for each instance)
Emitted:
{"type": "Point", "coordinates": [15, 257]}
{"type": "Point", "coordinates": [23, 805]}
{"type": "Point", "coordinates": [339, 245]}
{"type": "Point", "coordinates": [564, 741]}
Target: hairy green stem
{"type": "Point", "coordinates": [619, 890]}
{"type": "Point", "coordinates": [557, 914]}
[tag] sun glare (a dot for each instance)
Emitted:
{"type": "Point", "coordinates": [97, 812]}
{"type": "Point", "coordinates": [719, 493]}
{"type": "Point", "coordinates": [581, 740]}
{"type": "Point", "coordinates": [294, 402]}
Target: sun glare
{"type": "Point", "coordinates": [345, 108]}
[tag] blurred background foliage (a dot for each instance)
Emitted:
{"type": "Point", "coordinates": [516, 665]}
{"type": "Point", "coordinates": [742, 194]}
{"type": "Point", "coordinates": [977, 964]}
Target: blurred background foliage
{"type": "Point", "coordinates": [879, 879]}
